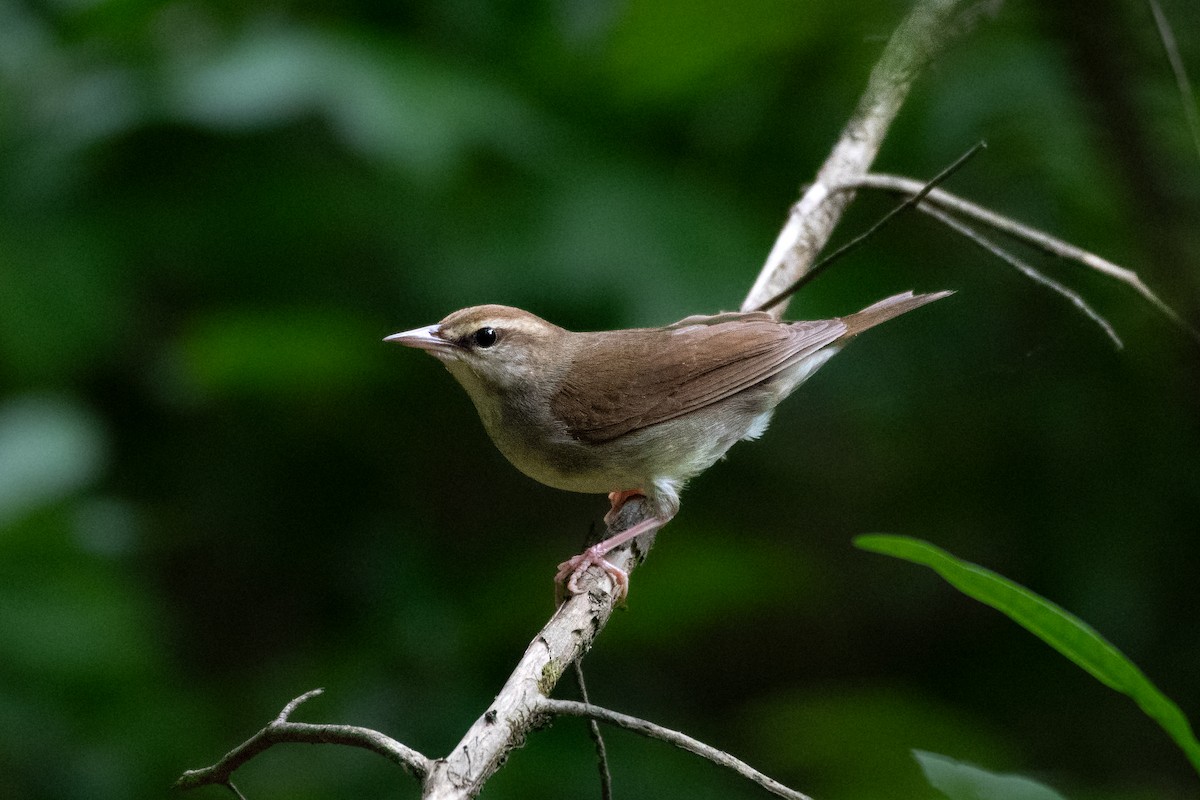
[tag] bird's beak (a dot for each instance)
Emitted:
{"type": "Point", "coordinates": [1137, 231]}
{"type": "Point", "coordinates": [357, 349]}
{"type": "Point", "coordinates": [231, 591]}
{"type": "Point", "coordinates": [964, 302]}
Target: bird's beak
{"type": "Point", "coordinates": [425, 339]}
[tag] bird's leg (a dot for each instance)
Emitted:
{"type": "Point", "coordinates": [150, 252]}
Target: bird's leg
{"type": "Point", "coordinates": [618, 499]}
{"type": "Point", "coordinates": [658, 506]}
{"type": "Point", "coordinates": [569, 570]}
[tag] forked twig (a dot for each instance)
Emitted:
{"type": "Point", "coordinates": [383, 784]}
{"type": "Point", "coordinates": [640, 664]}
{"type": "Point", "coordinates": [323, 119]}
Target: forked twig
{"type": "Point", "coordinates": [282, 729]}
{"type": "Point", "coordinates": [819, 267]}
{"type": "Point", "coordinates": [1019, 231]}
{"type": "Point", "coordinates": [929, 26]}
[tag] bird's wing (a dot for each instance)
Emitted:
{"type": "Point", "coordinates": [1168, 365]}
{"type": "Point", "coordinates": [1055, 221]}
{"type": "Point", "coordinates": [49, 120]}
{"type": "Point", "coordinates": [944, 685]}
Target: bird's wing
{"type": "Point", "coordinates": [654, 375]}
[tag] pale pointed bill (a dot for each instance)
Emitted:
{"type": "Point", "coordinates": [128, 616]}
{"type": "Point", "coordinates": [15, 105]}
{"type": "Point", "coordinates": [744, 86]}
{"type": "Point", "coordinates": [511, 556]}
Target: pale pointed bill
{"type": "Point", "coordinates": [423, 339]}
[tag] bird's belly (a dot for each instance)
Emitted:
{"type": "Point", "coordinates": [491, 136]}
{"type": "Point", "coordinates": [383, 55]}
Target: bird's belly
{"type": "Point", "coordinates": [671, 451]}
{"type": "Point", "coordinates": [572, 466]}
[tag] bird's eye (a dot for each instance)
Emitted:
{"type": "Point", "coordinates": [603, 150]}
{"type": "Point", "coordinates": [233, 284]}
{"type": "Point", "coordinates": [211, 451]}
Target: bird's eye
{"type": "Point", "coordinates": [485, 337]}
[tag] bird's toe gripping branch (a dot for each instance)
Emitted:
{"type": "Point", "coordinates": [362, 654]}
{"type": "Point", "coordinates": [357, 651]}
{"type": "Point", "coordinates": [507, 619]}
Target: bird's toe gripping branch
{"type": "Point", "coordinates": [570, 570]}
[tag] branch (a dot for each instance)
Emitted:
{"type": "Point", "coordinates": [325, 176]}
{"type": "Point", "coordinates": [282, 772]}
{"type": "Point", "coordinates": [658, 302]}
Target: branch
{"type": "Point", "coordinates": [940, 198]}
{"type": "Point", "coordinates": [518, 709]}
{"type": "Point", "coordinates": [597, 738]}
{"type": "Point", "coordinates": [927, 29]}
{"type": "Point", "coordinates": [680, 740]}
{"type": "Point", "coordinates": [281, 730]}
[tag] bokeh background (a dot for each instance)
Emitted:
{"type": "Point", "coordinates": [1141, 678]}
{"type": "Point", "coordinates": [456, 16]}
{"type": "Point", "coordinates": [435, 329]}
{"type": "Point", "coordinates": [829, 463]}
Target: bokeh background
{"type": "Point", "coordinates": [219, 489]}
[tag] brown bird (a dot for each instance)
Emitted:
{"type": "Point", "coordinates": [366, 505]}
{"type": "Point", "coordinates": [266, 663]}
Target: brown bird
{"type": "Point", "coordinates": [632, 412]}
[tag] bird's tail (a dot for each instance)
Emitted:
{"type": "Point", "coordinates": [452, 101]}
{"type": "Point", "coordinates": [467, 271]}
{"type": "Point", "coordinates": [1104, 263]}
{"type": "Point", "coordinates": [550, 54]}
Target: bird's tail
{"type": "Point", "coordinates": [887, 309]}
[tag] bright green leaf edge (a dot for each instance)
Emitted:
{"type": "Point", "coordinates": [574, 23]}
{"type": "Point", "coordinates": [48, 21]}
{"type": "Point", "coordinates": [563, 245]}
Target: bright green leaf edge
{"type": "Point", "coordinates": [959, 780]}
{"type": "Point", "coordinates": [1051, 623]}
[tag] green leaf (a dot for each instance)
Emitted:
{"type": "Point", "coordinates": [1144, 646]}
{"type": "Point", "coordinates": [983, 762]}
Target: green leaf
{"type": "Point", "coordinates": [1054, 625]}
{"type": "Point", "coordinates": [960, 781]}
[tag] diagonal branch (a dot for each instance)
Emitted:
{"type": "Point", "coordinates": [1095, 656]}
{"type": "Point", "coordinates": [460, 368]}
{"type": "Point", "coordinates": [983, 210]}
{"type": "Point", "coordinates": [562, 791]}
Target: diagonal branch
{"type": "Point", "coordinates": [573, 708]}
{"type": "Point", "coordinates": [517, 709]}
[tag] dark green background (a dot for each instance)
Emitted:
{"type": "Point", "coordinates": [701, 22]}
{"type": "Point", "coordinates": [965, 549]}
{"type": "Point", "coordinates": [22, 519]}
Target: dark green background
{"type": "Point", "coordinates": [219, 489]}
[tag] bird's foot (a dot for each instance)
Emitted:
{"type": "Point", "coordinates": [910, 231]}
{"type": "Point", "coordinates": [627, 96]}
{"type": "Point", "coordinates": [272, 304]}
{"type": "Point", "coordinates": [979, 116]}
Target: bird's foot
{"type": "Point", "coordinates": [618, 499]}
{"type": "Point", "coordinates": [567, 577]}
{"type": "Point", "coordinates": [570, 570]}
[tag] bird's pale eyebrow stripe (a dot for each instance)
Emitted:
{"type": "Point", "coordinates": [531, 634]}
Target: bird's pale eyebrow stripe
{"type": "Point", "coordinates": [520, 326]}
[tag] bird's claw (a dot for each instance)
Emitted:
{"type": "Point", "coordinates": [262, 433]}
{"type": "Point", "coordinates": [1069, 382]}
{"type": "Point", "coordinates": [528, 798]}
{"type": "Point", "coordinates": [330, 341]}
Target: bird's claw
{"type": "Point", "coordinates": [567, 577]}
{"type": "Point", "coordinates": [569, 570]}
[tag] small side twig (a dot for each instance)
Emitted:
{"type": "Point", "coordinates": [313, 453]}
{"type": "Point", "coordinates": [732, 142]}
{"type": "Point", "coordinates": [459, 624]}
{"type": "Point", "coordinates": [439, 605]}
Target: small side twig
{"type": "Point", "coordinates": [596, 736]}
{"type": "Point", "coordinates": [1025, 269]}
{"type": "Point", "coordinates": [1020, 232]}
{"type": "Point", "coordinates": [282, 730]}
{"type": "Point", "coordinates": [643, 727]}
{"type": "Point", "coordinates": [858, 240]}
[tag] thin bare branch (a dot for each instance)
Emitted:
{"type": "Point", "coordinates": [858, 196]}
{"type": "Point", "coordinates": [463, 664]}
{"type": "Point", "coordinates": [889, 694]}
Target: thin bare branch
{"type": "Point", "coordinates": [1186, 97]}
{"type": "Point", "coordinates": [1025, 269]}
{"type": "Point", "coordinates": [680, 740]}
{"type": "Point", "coordinates": [596, 736]}
{"type": "Point", "coordinates": [1021, 232]}
{"type": "Point", "coordinates": [924, 32]}
{"type": "Point", "coordinates": [283, 731]}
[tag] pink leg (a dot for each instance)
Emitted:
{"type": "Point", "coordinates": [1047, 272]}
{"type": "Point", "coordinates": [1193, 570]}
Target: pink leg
{"type": "Point", "coordinates": [617, 499]}
{"type": "Point", "coordinates": [569, 570]}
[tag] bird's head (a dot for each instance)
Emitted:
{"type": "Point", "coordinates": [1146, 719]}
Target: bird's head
{"type": "Point", "coordinates": [499, 346]}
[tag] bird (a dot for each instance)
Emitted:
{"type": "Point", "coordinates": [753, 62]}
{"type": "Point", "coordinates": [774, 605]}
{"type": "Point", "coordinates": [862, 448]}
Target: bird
{"type": "Point", "coordinates": [633, 412]}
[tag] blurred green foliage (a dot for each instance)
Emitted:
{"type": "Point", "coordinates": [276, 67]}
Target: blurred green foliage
{"type": "Point", "coordinates": [218, 489]}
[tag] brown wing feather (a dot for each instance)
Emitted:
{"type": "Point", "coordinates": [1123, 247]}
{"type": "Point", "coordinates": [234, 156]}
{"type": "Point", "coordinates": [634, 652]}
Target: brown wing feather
{"type": "Point", "coordinates": [604, 397]}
